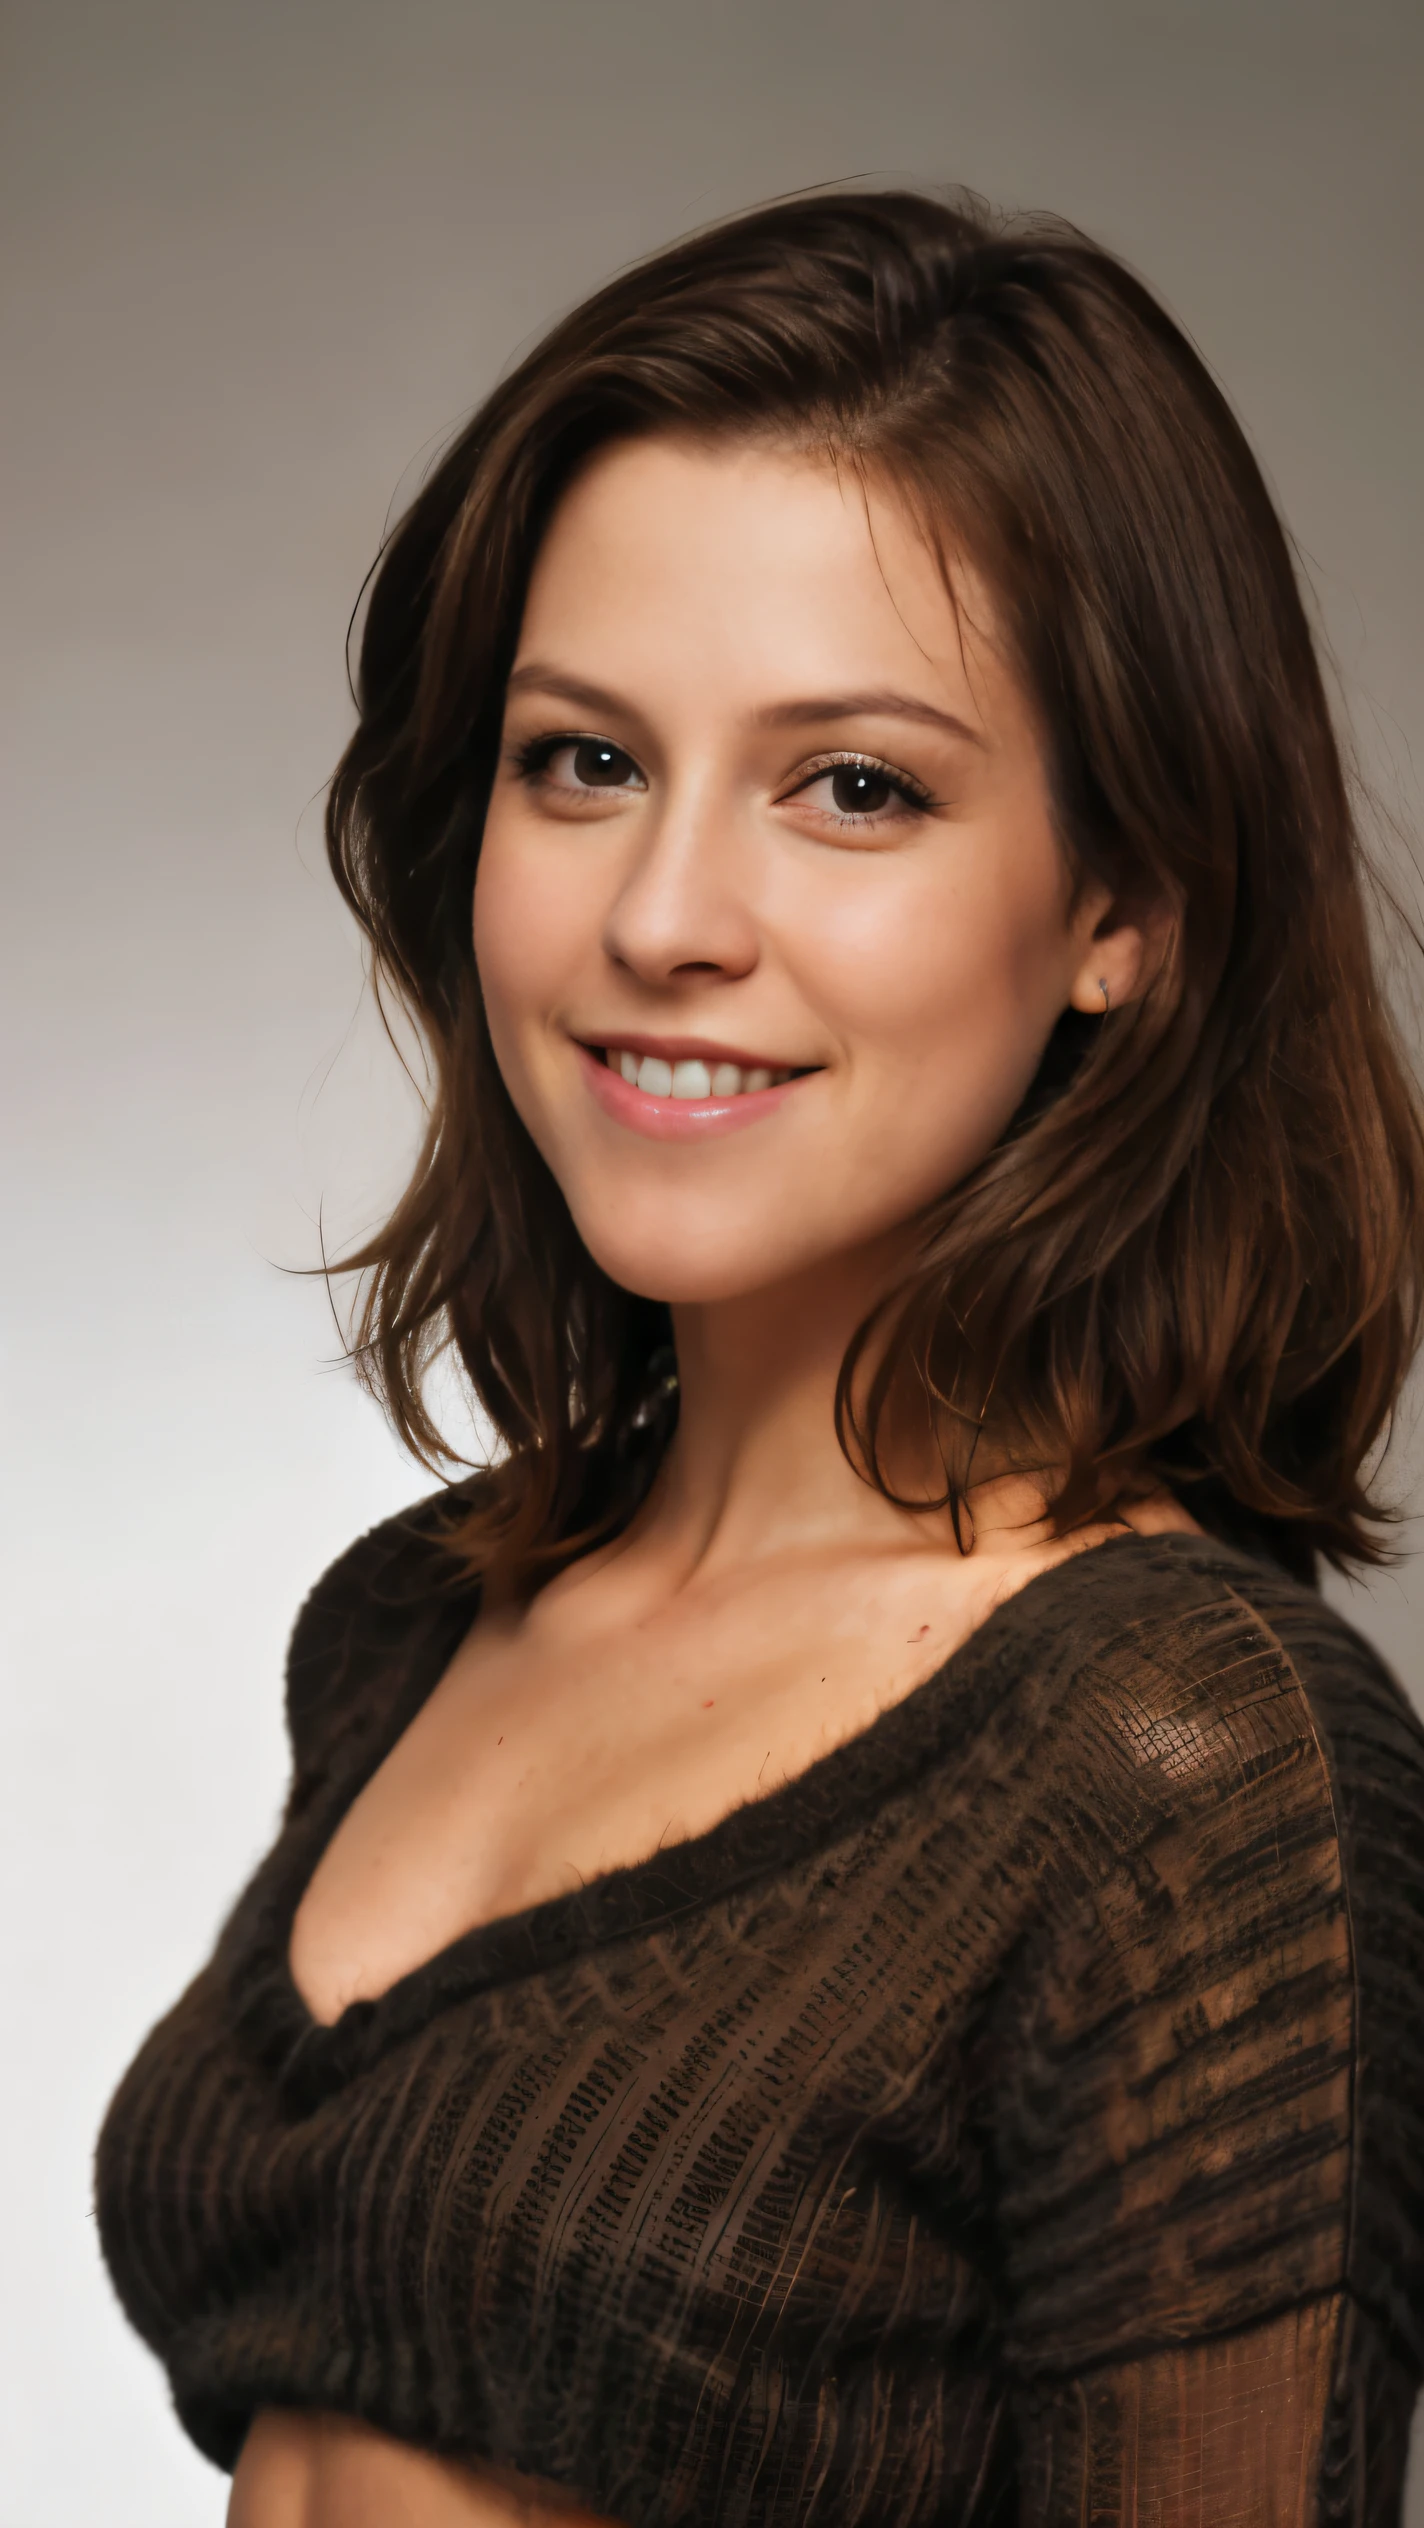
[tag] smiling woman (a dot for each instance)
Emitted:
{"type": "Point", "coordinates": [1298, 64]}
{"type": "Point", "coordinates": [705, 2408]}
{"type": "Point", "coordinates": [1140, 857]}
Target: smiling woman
{"type": "Point", "coordinates": [848, 1942]}
{"type": "Point", "coordinates": [819, 807]}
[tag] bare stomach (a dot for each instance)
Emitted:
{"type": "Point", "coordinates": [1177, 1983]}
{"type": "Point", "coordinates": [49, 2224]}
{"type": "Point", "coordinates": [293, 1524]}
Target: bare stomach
{"type": "Point", "coordinates": [323, 2471]}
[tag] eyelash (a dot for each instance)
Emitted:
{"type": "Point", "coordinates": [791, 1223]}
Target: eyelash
{"type": "Point", "coordinates": [535, 754]}
{"type": "Point", "coordinates": [533, 757]}
{"type": "Point", "coordinates": [904, 785]}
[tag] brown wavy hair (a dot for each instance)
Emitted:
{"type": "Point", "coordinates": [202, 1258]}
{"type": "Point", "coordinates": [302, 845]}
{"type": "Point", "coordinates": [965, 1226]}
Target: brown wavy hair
{"type": "Point", "coordinates": [1194, 1258]}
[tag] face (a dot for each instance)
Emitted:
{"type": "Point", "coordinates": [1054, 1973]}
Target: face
{"type": "Point", "coordinates": [771, 920]}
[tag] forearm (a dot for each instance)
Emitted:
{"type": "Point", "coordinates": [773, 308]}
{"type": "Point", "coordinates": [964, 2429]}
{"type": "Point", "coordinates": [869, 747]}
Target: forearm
{"type": "Point", "coordinates": [1227, 2433]}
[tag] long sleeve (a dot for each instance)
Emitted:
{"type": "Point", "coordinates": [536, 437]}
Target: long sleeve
{"type": "Point", "coordinates": [1300, 2422]}
{"type": "Point", "coordinates": [1179, 2084]}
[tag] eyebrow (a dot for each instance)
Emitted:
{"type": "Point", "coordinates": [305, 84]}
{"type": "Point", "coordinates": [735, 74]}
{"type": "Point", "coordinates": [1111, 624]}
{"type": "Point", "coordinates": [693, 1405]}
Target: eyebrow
{"type": "Point", "coordinates": [535, 678]}
{"type": "Point", "coordinates": [812, 710]}
{"type": "Point", "coordinates": [858, 706]}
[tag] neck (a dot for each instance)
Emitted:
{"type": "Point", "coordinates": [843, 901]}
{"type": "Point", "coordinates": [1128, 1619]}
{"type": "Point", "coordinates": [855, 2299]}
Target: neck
{"type": "Point", "coordinates": [755, 1467]}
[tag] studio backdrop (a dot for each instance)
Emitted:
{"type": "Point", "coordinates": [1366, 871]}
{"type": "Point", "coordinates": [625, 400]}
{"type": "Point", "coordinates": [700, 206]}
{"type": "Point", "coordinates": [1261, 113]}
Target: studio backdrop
{"type": "Point", "coordinates": [259, 259]}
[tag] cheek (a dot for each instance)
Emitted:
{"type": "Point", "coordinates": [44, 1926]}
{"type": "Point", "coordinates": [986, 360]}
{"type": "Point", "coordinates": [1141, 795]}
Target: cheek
{"type": "Point", "coordinates": [950, 981]}
{"type": "Point", "coordinates": [527, 932]}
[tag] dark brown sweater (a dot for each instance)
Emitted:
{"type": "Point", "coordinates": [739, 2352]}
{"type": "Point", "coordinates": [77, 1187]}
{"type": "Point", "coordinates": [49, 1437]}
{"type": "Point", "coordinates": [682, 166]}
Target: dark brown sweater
{"type": "Point", "coordinates": [977, 2128]}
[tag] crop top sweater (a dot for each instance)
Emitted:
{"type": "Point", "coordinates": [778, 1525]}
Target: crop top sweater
{"type": "Point", "coordinates": [1023, 2101]}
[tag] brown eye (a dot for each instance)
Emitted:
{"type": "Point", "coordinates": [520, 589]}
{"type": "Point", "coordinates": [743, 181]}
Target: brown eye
{"type": "Point", "coordinates": [599, 766]}
{"type": "Point", "coordinates": [859, 790]}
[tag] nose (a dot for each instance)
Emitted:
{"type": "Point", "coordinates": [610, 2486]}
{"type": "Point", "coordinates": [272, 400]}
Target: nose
{"type": "Point", "coordinates": [683, 910]}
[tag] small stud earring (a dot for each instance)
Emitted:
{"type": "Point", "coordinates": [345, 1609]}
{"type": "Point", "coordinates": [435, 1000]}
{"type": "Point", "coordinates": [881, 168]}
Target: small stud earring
{"type": "Point", "coordinates": [1102, 987]}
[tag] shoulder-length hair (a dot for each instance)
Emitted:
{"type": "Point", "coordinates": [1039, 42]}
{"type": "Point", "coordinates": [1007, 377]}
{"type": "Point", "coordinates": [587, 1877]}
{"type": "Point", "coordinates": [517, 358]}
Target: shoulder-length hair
{"type": "Point", "coordinates": [1194, 1258]}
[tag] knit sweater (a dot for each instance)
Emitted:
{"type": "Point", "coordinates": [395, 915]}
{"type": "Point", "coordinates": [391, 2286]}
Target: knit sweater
{"type": "Point", "coordinates": [965, 2132]}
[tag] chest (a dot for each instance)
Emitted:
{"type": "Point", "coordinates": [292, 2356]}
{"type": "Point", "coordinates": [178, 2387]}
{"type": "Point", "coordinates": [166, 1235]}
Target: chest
{"type": "Point", "coordinates": [556, 1750]}
{"type": "Point", "coordinates": [659, 2209]}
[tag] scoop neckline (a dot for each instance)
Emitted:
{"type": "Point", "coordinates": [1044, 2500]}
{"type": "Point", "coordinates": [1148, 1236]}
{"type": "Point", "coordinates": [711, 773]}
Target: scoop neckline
{"type": "Point", "coordinates": [752, 1841]}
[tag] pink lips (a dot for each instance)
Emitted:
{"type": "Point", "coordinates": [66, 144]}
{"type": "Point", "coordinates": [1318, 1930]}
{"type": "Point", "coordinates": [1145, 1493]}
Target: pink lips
{"type": "Point", "coordinates": [676, 1118]}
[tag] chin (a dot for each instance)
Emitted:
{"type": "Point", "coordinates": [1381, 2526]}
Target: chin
{"type": "Point", "coordinates": [684, 1281]}
{"type": "Point", "coordinates": [684, 1268]}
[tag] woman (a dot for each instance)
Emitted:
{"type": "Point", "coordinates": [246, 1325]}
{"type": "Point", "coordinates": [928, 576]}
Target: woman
{"type": "Point", "coordinates": [848, 1941]}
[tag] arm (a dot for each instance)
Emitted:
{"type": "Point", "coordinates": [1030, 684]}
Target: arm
{"type": "Point", "coordinates": [1286, 2424]}
{"type": "Point", "coordinates": [1174, 2084]}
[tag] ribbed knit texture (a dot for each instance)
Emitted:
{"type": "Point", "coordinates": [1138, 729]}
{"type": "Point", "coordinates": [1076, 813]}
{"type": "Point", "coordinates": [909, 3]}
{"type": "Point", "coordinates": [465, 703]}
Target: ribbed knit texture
{"type": "Point", "coordinates": [973, 2130]}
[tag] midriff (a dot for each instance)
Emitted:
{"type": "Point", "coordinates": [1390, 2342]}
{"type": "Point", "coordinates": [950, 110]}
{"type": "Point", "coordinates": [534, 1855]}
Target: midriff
{"type": "Point", "coordinates": [325, 2471]}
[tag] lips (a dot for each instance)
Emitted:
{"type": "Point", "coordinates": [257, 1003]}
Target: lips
{"type": "Point", "coordinates": [678, 1094]}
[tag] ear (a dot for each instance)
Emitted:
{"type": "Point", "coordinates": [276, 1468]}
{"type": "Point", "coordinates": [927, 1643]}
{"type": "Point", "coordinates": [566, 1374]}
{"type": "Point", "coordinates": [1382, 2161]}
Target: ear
{"type": "Point", "coordinates": [1119, 957]}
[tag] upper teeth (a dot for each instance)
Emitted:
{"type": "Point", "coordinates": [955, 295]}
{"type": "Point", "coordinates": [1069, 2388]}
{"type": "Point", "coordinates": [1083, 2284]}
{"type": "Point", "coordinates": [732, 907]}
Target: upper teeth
{"type": "Point", "coordinates": [693, 1079]}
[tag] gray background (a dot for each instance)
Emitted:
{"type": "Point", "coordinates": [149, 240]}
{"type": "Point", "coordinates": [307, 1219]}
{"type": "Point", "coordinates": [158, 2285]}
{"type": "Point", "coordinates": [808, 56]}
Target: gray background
{"type": "Point", "coordinates": [259, 258]}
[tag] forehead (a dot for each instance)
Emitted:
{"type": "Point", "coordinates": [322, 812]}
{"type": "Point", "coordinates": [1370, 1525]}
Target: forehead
{"type": "Point", "coordinates": [764, 565]}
